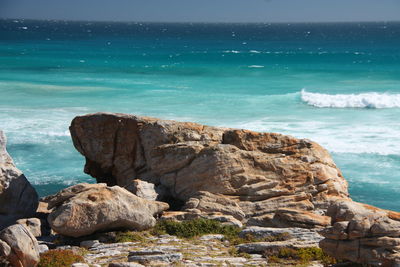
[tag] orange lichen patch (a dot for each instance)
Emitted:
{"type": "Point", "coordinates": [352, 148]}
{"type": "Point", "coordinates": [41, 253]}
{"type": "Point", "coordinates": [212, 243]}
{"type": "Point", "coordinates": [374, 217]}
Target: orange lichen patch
{"type": "Point", "coordinates": [100, 196]}
{"type": "Point", "coordinates": [394, 215]}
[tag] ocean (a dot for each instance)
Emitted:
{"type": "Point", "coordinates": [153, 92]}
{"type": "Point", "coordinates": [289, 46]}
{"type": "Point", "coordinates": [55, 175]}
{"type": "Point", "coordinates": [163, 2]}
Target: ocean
{"type": "Point", "coordinates": [337, 84]}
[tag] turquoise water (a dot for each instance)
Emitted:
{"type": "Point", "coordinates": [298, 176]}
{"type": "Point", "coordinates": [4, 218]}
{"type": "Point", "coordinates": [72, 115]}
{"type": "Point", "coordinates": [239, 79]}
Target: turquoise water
{"type": "Point", "coordinates": [337, 84]}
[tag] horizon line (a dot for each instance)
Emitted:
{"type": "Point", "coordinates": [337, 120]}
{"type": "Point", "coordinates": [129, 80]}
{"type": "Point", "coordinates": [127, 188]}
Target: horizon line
{"type": "Point", "coordinates": [203, 22]}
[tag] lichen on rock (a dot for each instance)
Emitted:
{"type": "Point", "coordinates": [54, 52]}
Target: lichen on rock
{"type": "Point", "coordinates": [262, 179]}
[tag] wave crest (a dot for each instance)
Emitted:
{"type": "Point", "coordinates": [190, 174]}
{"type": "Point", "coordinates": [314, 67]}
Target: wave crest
{"type": "Point", "coordinates": [365, 100]}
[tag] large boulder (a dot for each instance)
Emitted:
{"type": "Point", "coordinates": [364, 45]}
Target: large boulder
{"type": "Point", "coordinates": [83, 209]}
{"type": "Point", "coordinates": [263, 179]}
{"type": "Point", "coordinates": [18, 199]}
{"type": "Point", "coordinates": [363, 234]}
{"type": "Point", "coordinates": [18, 246]}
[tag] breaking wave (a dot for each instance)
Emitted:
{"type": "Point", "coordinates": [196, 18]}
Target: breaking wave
{"type": "Point", "coordinates": [364, 100]}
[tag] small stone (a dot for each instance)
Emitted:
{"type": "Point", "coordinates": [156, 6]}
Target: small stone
{"type": "Point", "coordinates": [125, 264]}
{"type": "Point", "coordinates": [211, 237]}
{"type": "Point", "coordinates": [80, 265]}
{"type": "Point", "coordinates": [89, 243]}
{"type": "Point", "coordinates": [43, 248]}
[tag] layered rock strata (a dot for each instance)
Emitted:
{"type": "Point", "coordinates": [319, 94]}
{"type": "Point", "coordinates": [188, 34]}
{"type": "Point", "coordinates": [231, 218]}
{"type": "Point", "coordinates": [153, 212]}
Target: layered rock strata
{"type": "Point", "coordinates": [363, 234]}
{"type": "Point", "coordinates": [18, 199]}
{"type": "Point", "coordinates": [263, 179]}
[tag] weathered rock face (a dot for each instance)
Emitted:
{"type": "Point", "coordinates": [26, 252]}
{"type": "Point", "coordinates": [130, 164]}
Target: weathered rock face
{"type": "Point", "coordinates": [18, 246]}
{"type": "Point", "coordinates": [18, 199]}
{"type": "Point", "coordinates": [362, 233]}
{"type": "Point", "coordinates": [33, 225]}
{"type": "Point", "coordinates": [83, 209]}
{"type": "Point", "coordinates": [263, 179]}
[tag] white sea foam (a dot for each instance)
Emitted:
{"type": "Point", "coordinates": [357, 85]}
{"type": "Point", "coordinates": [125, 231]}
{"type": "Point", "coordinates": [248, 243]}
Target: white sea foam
{"type": "Point", "coordinates": [231, 51]}
{"type": "Point", "coordinates": [364, 100]}
{"type": "Point", "coordinates": [357, 138]}
{"type": "Point", "coordinates": [256, 66]}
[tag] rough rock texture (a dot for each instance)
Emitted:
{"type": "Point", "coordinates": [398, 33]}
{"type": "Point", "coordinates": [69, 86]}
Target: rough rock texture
{"type": "Point", "coordinates": [18, 199]}
{"type": "Point", "coordinates": [363, 234]}
{"type": "Point", "coordinates": [154, 256]}
{"type": "Point", "coordinates": [162, 250]}
{"type": "Point", "coordinates": [278, 238]}
{"type": "Point", "coordinates": [19, 246]}
{"type": "Point", "coordinates": [33, 225]}
{"type": "Point", "coordinates": [263, 179]}
{"type": "Point", "coordinates": [143, 189]}
{"type": "Point", "coordinates": [83, 209]}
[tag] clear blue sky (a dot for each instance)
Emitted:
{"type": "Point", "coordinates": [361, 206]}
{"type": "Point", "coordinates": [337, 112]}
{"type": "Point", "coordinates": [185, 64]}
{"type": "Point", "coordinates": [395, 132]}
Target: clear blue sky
{"type": "Point", "coordinates": [204, 10]}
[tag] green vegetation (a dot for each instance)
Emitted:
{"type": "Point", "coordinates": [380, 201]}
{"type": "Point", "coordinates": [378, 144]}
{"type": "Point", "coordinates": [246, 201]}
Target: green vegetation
{"type": "Point", "coordinates": [235, 240]}
{"type": "Point", "coordinates": [235, 253]}
{"type": "Point", "coordinates": [59, 258]}
{"type": "Point", "coordinates": [197, 227]}
{"type": "Point", "coordinates": [131, 236]}
{"type": "Point", "coordinates": [303, 255]}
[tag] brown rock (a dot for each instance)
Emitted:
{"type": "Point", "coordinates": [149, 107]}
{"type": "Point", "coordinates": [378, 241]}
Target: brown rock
{"type": "Point", "coordinates": [19, 246]}
{"type": "Point", "coordinates": [86, 208]}
{"type": "Point", "coordinates": [18, 199]}
{"type": "Point", "coordinates": [244, 174]}
{"type": "Point", "coordinates": [362, 233]}
{"type": "Point", "coordinates": [33, 225]}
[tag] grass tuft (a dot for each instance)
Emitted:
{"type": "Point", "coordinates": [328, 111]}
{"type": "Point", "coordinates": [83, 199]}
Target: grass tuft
{"type": "Point", "coordinates": [131, 236]}
{"type": "Point", "coordinates": [303, 255]}
{"type": "Point", "coordinates": [194, 228]}
{"type": "Point", "coordinates": [59, 258]}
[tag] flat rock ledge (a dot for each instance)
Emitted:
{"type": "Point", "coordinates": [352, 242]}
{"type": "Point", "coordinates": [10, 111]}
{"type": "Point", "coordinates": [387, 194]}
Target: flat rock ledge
{"type": "Point", "coordinates": [167, 250]}
{"type": "Point", "coordinates": [262, 179]}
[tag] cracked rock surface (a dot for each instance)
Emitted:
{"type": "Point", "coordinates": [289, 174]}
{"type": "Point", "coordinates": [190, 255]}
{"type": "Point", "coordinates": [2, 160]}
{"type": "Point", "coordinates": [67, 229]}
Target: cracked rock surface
{"type": "Point", "coordinates": [263, 179]}
{"type": "Point", "coordinates": [362, 233]}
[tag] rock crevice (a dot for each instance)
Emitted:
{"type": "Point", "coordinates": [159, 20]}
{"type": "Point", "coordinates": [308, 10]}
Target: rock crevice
{"type": "Point", "coordinates": [244, 174]}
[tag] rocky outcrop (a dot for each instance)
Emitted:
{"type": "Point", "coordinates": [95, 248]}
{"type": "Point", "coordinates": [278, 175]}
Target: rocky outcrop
{"type": "Point", "coordinates": [363, 234]}
{"type": "Point", "coordinates": [18, 246]}
{"type": "Point", "coordinates": [263, 179]}
{"type": "Point", "coordinates": [18, 199]}
{"type": "Point", "coordinates": [86, 208]}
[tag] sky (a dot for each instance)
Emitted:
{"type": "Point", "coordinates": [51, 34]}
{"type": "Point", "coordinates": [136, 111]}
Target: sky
{"type": "Point", "coordinates": [204, 10]}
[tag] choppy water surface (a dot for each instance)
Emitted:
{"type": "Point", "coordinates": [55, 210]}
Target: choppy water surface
{"type": "Point", "coordinates": [337, 84]}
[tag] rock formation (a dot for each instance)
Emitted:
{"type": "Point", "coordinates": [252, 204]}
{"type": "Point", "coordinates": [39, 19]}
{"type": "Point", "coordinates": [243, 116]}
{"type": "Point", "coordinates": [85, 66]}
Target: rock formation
{"type": "Point", "coordinates": [33, 225]}
{"type": "Point", "coordinates": [263, 179]}
{"type": "Point", "coordinates": [83, 209]}
{"type": "Point", "coordinates": [18, 246]}
{"type": "Point", "coordinates": [363, 234]}
{"type": "Point", "coordinates": [18, 199]}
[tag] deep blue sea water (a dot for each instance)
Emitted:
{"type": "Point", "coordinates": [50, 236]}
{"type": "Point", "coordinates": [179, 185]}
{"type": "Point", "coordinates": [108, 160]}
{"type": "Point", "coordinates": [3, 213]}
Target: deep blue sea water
{"type": "Point", "coordinates": [337, 84]}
